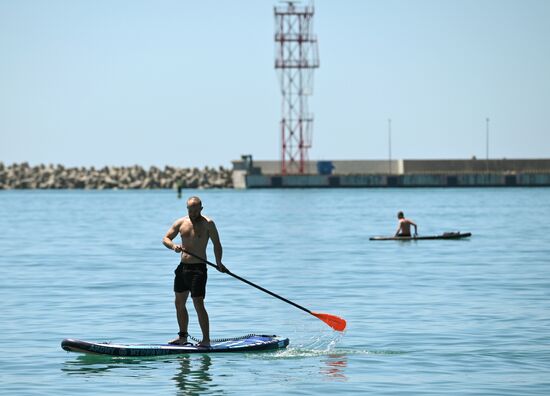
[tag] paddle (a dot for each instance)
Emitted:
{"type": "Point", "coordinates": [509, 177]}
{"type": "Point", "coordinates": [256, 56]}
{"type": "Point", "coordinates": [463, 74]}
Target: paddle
{"type": "Point", "coordinates": [333, 321]}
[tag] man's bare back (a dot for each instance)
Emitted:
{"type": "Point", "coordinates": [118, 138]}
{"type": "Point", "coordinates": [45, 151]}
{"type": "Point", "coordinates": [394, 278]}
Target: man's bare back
{"type": "Point", "coordinates": [404, 228]}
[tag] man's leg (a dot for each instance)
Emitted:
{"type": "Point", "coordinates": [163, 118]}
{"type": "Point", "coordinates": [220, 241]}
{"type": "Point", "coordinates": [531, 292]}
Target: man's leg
{"type": "Point", "coordinates": [204, 322]}
{"type": "Point", "coordinates": [183, 317]}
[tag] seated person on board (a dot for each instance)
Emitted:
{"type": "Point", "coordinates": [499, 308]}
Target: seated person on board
{"type": "Point", "coordinates": [404, 229]}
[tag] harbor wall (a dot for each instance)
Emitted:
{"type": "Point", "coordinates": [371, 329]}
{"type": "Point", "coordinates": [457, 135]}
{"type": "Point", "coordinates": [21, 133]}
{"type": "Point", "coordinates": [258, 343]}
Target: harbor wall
{"type": "Point", "coordinates": [509, 166]}
{"type": "Point", "coordinates": [418, 180]}
{"type": "Point", "coordinates": [396, 173]}
{"type": "Point", "coordinates": [364, 167]}
{"type": "Point", "coordinates": [405, 166]}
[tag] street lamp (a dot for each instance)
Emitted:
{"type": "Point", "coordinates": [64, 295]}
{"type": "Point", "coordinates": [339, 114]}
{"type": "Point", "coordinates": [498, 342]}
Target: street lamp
{"type": "Point", "coordinates": [487, 120]}
{"type": "Point", "coordinates": [389, 145]}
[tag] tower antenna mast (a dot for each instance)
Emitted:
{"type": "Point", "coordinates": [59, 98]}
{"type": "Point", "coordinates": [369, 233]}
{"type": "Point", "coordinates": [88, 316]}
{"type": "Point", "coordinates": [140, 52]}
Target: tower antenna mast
{"type": "Point", "coordinates": [296, 57]}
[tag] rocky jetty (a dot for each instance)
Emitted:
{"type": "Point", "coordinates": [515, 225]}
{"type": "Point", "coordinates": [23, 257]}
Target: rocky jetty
{"type": "Point", "coordinates": [24, 176]}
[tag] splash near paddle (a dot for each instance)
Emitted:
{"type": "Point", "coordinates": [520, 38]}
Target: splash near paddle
{"type": "Point", "coordinates": [333, 321]}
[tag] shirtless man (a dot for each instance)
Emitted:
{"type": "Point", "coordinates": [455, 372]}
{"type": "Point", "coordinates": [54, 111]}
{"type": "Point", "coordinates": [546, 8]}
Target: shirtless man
{"type": "Point", "coordinates": [195, 231]}
{"type": "Point", "coordinates": [404, 229]}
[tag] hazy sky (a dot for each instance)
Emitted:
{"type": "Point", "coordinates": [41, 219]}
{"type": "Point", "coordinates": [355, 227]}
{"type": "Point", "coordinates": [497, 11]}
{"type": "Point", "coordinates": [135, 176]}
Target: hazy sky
{"type": "Point", "coordinates": [192, 83]}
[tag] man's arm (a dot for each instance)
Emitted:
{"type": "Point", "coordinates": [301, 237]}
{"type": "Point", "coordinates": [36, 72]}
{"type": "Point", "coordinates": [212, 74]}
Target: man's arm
{"type": "Point", "coordinates": [218, 250]}
{"type": "Point", "coordinates": [415, 229]}
{"type": "Point", "coordinates": [170, 235]}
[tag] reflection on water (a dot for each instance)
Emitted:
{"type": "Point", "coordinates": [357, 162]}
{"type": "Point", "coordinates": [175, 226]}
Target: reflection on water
{"type": "Point", "coordinates": [334, 367]}
{"type": "Point", "coordinates": [88, 365]}
{"type": "Point", "coordinates": [193, 377]}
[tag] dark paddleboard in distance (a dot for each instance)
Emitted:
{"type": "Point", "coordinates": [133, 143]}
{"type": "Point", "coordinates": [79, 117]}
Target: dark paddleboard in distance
{"type": "Point", "coordinates": [249, 343]}
{"type": "Point", "coordinates": [445, 235]}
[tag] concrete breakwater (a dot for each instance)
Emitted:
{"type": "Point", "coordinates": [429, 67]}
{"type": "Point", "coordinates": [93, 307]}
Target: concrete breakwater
{"type": "Point", "coordinates": [24, 176]}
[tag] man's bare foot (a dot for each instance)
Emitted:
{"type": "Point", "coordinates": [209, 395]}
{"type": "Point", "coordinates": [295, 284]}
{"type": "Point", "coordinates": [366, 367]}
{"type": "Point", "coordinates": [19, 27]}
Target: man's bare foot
{"type": "Point", "coordinates": [178, 341]}
{"type": "Point", "coordinates": [204, 344]}
{"type": "Point", "coordinates": [181, 340]}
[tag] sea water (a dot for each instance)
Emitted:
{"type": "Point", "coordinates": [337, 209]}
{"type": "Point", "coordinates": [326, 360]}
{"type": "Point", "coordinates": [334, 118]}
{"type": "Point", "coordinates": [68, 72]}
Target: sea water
{"type": "Point", "coordinates": [434, 317]}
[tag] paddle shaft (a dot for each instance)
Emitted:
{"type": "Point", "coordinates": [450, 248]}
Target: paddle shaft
{"type": "Point", "coordinates": [250, 283]}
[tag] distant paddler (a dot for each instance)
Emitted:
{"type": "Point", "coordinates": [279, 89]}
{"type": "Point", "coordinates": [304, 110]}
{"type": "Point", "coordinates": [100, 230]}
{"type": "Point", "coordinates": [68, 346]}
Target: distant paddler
{"type": "Point", "coordinates": [404, 228]}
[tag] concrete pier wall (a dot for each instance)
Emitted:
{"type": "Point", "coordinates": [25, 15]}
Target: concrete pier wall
{"type": "Point", "coordinates": [397, 173]}
{"type": "Point", "coordinates": [402, 167]}
{"type": "Point", "coordinates": [363, 167]}
{"type": "Point", "coordinates": [425, 180]}
{"type": "Point", "coordinates": [476, 166]}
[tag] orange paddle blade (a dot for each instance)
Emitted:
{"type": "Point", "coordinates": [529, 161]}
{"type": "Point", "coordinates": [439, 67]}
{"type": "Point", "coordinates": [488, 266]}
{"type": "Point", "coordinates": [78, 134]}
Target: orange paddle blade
{"type": "Point", "coordinates": [333, 321]}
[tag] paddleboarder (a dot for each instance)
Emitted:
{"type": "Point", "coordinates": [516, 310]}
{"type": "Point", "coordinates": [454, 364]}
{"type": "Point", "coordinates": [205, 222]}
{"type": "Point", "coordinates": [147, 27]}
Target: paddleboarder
{"type": "Point", "coordinates": [191, 274]}
{"type": "Point", "coordinates": [404, 229]}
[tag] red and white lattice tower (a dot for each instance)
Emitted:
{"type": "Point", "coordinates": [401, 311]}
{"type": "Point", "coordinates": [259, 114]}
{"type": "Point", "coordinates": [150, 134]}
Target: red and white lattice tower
{"type": "Point", "coordinates": [296, 56]}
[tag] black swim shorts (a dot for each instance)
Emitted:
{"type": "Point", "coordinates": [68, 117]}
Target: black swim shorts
{"type": "Point", "coordinates": [191, 277]}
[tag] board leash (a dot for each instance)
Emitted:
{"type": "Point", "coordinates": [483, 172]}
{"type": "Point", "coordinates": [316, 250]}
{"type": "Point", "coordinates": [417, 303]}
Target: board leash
{"type": "Point", "coordinates": [232, 338]}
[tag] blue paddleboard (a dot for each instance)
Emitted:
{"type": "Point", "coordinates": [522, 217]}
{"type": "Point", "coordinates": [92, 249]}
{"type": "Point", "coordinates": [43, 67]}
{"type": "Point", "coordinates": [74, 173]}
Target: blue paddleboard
{"type": "Point", "coordinates": [247, 343]}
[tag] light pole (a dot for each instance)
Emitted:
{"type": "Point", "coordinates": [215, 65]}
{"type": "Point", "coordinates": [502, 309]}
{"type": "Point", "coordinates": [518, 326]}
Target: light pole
{"type": "Point", "coordinates": [487, 120]}
{"type": "Point", "coordinates": [389, 145]}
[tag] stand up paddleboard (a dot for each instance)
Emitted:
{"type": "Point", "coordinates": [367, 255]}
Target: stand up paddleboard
{"type": "Point", "coordinates": [249, 343]}
{"type": "Point", "coordinates": [445, 235]}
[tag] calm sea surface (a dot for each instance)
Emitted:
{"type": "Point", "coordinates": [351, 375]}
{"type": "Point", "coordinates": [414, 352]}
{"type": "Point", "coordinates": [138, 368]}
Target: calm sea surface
{"type": "Point", "coordinates": [428, 317]}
